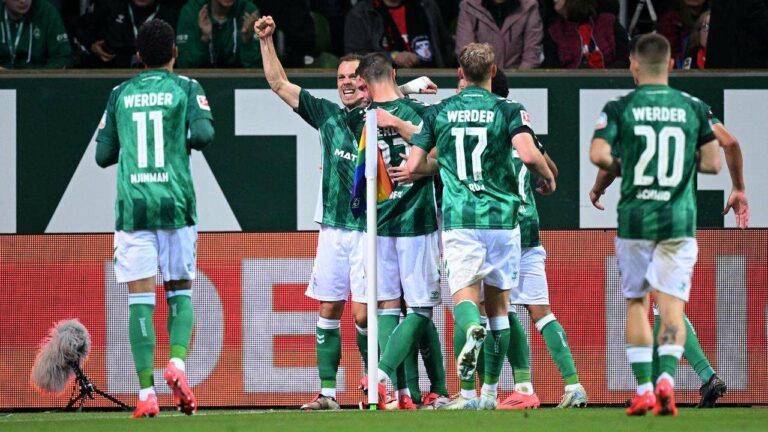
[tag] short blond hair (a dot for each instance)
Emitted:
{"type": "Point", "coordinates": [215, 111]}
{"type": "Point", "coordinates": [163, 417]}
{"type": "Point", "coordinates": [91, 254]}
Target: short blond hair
{"type": "Point", "coordinates": [476, 60]}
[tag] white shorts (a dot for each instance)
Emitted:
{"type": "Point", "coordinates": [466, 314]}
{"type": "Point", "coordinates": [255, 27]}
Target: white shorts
{"type": "Point", "coordinates": [665, 266]}
{"type": "Point", "coordinates": [409, 266]}
{"type": "Point", "coordinates": [533, 288]}
{"type": "Point", "coordinates": [339, 266]}
{"type": "Point", "coordinates": [474, 255]}
{"type": "Point", "coordinates": [139, 253]}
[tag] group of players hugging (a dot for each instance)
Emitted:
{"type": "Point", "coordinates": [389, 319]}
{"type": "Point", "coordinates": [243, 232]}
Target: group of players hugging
{"type": "Point", "coordinates": [484, 149]}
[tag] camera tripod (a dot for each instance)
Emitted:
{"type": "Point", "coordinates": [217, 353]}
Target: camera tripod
{"type": "Point", "coordinates": [87, 390]}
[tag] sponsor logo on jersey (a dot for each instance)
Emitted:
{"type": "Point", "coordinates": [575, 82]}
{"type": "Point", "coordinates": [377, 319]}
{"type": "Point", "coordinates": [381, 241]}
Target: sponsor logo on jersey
{"type": "Point", "coordinates": [202, 102]}
{"type": "Point", "coordinates": [103, 121]}
{"type": "Point", "coordinates": [602, 121]}
{"type": "Point", "coordinates": [345, 155]}
{"type": "Point", "coordinates": [62, 37]}
{"type": "Point", "coordinates": [120, 18]}
{"type": "Point", "coordinates": [525, 118]}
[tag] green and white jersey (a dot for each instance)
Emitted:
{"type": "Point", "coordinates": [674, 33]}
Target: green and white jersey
{"type": "Point", "coordinates": [339, 157]}
{"type": "Point", "coordinates": [410, 209]}
{"type": "Point", "coordinates": [473, 133]}
{"type": "Point", "coordinates": [656, 131]}
{"type": "Point", "coordinates": [148, 116]}
{"type": "Point", "coordinates": [528, 215]}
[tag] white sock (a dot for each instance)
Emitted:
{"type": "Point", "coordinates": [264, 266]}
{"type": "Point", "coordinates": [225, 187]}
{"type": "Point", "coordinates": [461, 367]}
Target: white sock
{"type": "Point", "coordinates": [469, 394]}
{"type": "Point", "coordinates": [145, 392]}
{"type": "Point", "coordinates": [330, 392]}
{"type": "Point", "coordinates": [489, 389]}
{"type": "Point", "coordinates": [644, 388]}
{"type": "Point", "coordinates": [382, 377]}
{"type": "Point", "coordinates": [666, 376]}
{"type": "Point", "coordinates": [179, 363]}
{"type": "Point", "coordinates": [572, 387]}
{"type": "Point", "coordinates": [403, 392]}
{"type": "Point", "coordinates": [525, 388]}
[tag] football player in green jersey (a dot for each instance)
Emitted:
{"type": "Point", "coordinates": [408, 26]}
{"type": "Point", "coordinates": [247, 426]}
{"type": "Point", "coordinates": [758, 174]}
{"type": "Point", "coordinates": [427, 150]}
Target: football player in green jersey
{"type": "Point", "coordinates": [339, 261]}
{"type": "Point", "coordinates": [656, 138]}
{"type": "Point", "coordinates": [481, 237]}
{"type": "Point", "coordinates": [408, 253]}
{"type": "Point", "coordinates": [151, 123]}
{"type": "Point", "coordinates": [712, 386]}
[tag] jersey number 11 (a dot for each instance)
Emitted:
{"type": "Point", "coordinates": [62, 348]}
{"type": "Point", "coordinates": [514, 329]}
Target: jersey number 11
{"type": "Point", "coordinates": [140, 118]}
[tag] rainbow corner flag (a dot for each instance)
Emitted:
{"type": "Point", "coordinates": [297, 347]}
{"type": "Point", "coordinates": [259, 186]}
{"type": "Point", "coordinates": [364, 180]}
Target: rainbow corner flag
{"type": "Point", "coordinates": [383, 182]}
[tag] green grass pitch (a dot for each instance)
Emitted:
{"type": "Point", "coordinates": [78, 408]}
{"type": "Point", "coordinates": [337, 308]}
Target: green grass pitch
{"type": "Point", "coordinates": [542, 420]}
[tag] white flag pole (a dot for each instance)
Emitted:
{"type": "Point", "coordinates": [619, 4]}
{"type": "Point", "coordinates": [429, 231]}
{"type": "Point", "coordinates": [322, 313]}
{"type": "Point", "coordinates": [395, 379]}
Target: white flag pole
{"type": "Point", "coordinates": [371, 162]}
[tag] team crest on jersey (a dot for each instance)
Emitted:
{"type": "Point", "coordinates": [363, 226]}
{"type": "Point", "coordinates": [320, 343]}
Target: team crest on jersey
{"type": "Point", "coordinates": [103, 122]}
{"type": "Point", "coordinates": [602, 121]}
{"type": "Point", "coordinates": [526, 118]}
{"type": "Point", "coordinates": [202, 102]}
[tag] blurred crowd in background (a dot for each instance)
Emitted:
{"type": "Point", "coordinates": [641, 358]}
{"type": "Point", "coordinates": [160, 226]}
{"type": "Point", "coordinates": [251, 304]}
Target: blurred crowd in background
{"type": "Point", "coordinates": [525, 34]}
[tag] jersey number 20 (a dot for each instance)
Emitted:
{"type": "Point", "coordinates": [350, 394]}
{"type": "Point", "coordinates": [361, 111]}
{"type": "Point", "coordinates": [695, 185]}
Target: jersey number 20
{"type": "Point", "coordinates": [140, 118]}
{"type": "Point", "coordinates": [666, 134]}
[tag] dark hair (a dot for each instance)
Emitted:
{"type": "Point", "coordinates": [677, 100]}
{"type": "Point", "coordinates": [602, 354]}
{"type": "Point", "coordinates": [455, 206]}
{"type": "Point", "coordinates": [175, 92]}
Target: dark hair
{"type": "Point", "coordinates": [375, 67]}
{"type": "Point", "coordinates": [580, 10]}
{"type": "Point", "coordinates": [350, 57]}
{"type": "Point", "coordinates": [499, 85]}
{"type": "Point", "coordinates": [651, 51]}
{"type": "Point", "coordinates": [155, 42]}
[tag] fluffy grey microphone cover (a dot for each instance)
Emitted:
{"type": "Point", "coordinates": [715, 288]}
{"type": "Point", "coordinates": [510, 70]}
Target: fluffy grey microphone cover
{"type": "Point", "coordinates": [68, 341]}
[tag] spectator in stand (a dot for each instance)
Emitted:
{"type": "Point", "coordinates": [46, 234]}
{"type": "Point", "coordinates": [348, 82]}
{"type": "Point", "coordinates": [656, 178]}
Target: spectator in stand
{"type": "Point", "coordinates": [548, 14]}
{"type": "Point", "coordinates": [695, 47]}
{"type": "Point", "coordinates": [217, 34]}
{"type": "Point", "coordinates": [738, 35]}
{"type": "Point", "coordinates": [583, 37]}
{"type": "Point", "coordinates": [512, 27]}
{"type": "Point", "coordinates": [298, 27]}
{"type": "Point", "coordinates": [106, 34]}
{"type": "Point", "coordinates": [410, 31]}
{"type": "Point", "coordinates": [677, 23]}
{"type": "Point", "coordinates": [32, 35]}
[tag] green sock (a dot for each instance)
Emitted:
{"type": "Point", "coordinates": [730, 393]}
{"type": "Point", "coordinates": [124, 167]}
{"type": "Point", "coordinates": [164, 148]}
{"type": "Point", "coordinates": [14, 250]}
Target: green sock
{"type": "Point", "coordinates": [518, 350]}
{"type": "Point", "coordinates": [407, 334]}
{"type": "Point", "coordinates": [655, 366]}
{"type": "Point", "coordinates": [640, 359]}
{"type": "Point", "coordinates": [495, 347]}
{"type": "Point", "coordinates": [328, 349]}
{"type": "Point", "coordinates": [141, 333]}
{"type": "Point", "coordinates": [557, 345]}
{"type": "Point", "coordinates": [465, 314]}
{"type": "Point", "coordinates": [388, 320]}
{"type": "Point", "coordinates": [432, 355]}
{"type": "Point", "coordinates": [480, 368]}
{"type": "Point", "coordinates": [181, 319]}
{"type": "Point", "coordinates": [695, 355]}
{"type": "Point", "coordinates": [362, 345]}
{"type": "Point", "coordinates": [411, 364]}
{"type": "Point", "coordinates": [669, 358]}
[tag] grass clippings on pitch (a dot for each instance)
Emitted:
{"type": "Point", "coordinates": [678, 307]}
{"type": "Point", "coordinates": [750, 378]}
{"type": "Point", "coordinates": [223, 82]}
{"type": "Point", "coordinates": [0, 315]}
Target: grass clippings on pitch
{"type": "Point", "coordinates": [542, 420]}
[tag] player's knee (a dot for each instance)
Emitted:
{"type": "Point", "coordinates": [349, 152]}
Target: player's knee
{"type": "Point", "coordinates": [538, 312]}
{"type": "Point", "coordinates": [332, 310]}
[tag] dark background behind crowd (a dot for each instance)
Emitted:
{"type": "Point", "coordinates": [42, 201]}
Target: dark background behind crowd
{"type": "Point", "coordinates": [525, 34]}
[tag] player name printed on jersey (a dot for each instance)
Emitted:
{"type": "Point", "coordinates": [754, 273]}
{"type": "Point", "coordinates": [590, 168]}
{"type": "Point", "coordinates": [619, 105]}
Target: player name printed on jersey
{"type": "Point", "coordinates": [148, 100]}
{"type": "Point", "coordinates": [475, 116]}
{"type": "Point", "coordinates": [154, 177]}
{"type": "Point", "coordinates": [664, 114]}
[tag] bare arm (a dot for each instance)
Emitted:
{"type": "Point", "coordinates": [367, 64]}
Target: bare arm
{"type": "Point", "coordinates": [603, 180]}
{"type": "Point", "coordinates": [418, 164]}
{"type": "Point", "coordinates": [273, 70]}
{"type": "Point", "coordinates": [534, 160]}
{"type": "Point", "coordinates": [600, 155]}
{"type": "Point", "coordinates": [709, 158]}
{"type": "Point", "coordinates": [551, 164]}
{"type": "Point", "coordinates": [735, 163]}
{"type": "Point", "coordinates": [404, 128]}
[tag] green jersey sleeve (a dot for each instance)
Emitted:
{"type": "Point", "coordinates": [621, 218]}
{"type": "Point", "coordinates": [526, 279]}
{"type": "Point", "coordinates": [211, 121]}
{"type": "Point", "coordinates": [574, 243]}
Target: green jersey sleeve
{"type": "Point", "coordinates": [107, 141]}
{"type": "Point", "coordinates": [197, 103]}
{"type": "Point", "coordinates": [607, 125]}
{"type": "Point", "coordinates": [424, 138]}
{"type": "Point", "coordinates": [315, 111]}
